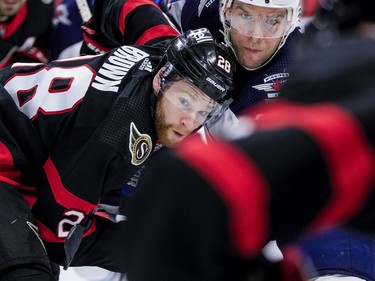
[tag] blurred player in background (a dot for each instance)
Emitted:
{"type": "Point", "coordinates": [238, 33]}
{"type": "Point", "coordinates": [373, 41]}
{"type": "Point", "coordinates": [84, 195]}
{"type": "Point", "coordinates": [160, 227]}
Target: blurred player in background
{"type": "Point", "coordinates": [25, 31]}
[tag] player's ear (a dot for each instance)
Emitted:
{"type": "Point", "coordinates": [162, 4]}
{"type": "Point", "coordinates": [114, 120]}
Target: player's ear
{"type": "Point", "coordinates": [157, 80]}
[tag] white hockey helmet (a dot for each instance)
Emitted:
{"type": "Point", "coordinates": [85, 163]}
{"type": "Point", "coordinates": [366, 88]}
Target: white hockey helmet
{"type": "Point", "coordinates": [291, 20]}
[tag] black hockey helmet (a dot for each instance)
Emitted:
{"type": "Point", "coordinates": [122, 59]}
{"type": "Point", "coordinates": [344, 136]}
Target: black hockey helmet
{"type": "Point", "coordinates": [197, 57]}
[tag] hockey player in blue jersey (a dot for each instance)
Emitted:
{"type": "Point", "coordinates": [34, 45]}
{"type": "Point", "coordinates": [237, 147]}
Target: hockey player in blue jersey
{"type": "Point", "coordinates": [262, 34]}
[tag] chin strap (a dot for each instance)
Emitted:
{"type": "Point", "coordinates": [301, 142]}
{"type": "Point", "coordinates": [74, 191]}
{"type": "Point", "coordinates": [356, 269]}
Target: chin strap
{"type": "Point", "coordinates": [153, 101]}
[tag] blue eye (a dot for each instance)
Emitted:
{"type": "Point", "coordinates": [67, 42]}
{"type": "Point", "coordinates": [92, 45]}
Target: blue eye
{"type": "Point", "coordinates": [203, 113]}
{"type": "Point", "coordinates": [185, 104]}
{"type": "Point", "coordinates": [272, 21]}
{"type": "Point", "coordinates": [201, 116]}
{"type": "Point", "coordinates": [245, 16]}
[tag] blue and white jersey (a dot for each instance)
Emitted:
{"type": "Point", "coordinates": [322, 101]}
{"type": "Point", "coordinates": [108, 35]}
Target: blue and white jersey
{"type": "Point", "coordinates": [266, 82]}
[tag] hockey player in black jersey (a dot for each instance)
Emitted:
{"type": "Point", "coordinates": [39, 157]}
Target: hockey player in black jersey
{"type": "Point", "coordinates": [76, 132]}
{"type": "Point", "coordinates": [122, 22]}
{"type": "Point", "coordinates": [24, 30]}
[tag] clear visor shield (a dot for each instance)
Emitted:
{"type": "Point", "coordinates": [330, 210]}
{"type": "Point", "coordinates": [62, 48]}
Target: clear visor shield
{"type": "Point", "coordinates": [258, 22]}
{"type": "Point", "coordinates": [187, 104]}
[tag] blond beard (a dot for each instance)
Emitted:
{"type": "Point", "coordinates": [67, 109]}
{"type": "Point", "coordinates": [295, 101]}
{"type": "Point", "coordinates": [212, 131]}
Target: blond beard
{"type": "Point", "coordinates": [160, 124]}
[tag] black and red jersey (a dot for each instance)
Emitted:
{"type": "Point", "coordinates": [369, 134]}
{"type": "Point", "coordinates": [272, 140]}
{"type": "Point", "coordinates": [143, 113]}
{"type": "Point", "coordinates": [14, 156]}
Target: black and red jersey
{"type": "Point", "coordinates": [75, 130]}
{"type": "Point", "coordinates": [25, 37]}
{"type": "Point", "coordinates": [115, 23]}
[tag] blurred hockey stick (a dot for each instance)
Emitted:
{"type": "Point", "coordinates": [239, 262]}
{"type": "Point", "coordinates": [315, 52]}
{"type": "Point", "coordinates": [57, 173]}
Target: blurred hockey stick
{"type": "Point", "coordinates": [84, 9]}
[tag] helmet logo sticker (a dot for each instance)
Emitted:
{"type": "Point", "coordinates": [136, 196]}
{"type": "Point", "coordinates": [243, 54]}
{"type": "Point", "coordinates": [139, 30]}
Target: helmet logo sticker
{"type": "Point", "coordinates": [200, 35]}
{"type": "Point", "coordinates": [140, 145]}
{"type": "Point", "coordinates": [216, 85]}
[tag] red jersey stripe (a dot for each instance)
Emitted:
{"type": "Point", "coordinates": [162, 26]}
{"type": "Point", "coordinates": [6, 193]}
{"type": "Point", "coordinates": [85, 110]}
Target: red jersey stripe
{"type": "Point", "coordinates": [97, 45]}
{"type": "Point", "coordinates": [61, 194]}
{"type": "Point", "coordinates": [128, 7]}
{"type": "Point", "coordinates": [8, 173]}
{"type": "Point", "coordinates": [157, 32]}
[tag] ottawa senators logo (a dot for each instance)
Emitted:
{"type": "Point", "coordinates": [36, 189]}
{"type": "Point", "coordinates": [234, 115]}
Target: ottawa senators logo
{"type": "Point", "coordinates": [140, 145]}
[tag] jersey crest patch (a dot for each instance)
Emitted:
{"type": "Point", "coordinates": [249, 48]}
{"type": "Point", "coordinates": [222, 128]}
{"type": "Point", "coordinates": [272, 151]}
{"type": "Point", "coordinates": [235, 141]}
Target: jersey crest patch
{"type": "Point", "coordinates": [272, 84]}
{"type": "Point", "coordinates": [140, 145]}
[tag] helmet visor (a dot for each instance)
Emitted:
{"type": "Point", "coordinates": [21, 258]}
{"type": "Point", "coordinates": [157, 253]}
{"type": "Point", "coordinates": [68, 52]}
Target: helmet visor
{"type": "Point", "coordinates": [185, 103]}
{"type": "Point", "coordinates": [259, 22]}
